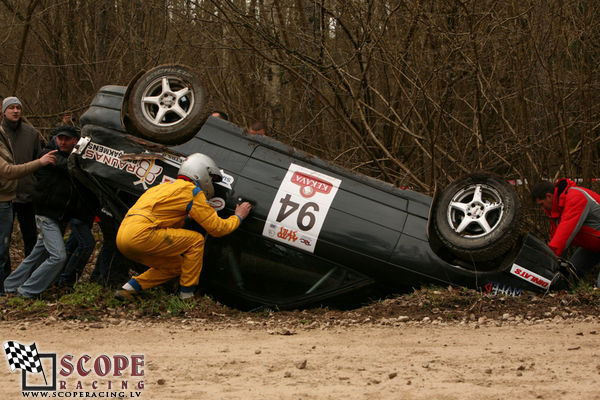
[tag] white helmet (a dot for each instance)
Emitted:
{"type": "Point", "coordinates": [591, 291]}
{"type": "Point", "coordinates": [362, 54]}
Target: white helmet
{"type": "Point", "coordinates": [203, 171]}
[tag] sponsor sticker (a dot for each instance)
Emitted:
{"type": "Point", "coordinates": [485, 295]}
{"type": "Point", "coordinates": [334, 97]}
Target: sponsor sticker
{"type": "Point", "coordinates": [497, 288]}
{"type": "Point", "coordinates": [529, 276]}
{"type": "Point", "coordinates": [217, 203]}
{"type": "Point", "coordinates": [81, 145]}
{"type": "Point", "coordinates": [227, 180]}
{"type": "Point", "coordinates": [146, 170]}
{"type": "Point", "coordinates": [300, 207]}
{"type": "Point", "coordinates": [167, 178]}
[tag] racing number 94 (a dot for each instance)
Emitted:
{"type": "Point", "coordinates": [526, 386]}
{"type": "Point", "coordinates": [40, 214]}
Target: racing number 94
{"type": "Point", "coordinates": [306, 212]}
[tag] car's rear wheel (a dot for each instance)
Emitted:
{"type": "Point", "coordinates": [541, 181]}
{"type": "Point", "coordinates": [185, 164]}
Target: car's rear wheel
{"type": "Point", "coordinates": [166, 104]}
{"type": "Point", "coordinates": [477, 218]}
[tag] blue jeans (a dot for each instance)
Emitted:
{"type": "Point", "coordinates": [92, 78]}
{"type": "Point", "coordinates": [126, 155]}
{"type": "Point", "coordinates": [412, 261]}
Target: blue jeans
{"type": "Point", "coordinates": [43, 265]}
{"type": "Point", "coordinates": [80, 246]}
{"type": "Point", "coordinates": [6, 224]}
{"type": "Point", "coordinates": [583, 260]}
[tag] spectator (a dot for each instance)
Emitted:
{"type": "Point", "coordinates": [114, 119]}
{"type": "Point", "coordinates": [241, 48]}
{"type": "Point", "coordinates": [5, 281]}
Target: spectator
{"type": "Point", "coordinates": [80, 243]}
{"type": "Point", "coordinates": [53, 201]}
{"type": "Point", "coordinates": [220, 114]}
{"type": "Point", "coordinates": [258, 128]}
{"type": "Point", "coordinates": [66, 118]}
{"type": "Point", "coordinates": [9, 172]}
{"type": "Point", "coordinates": [25, 141]}
{"type": "Point", "coordinates": [151, 232]}
{"type": "Point", "coordinates": [111, 266]}
{"type": "Point", "coordinates": [574, 214]}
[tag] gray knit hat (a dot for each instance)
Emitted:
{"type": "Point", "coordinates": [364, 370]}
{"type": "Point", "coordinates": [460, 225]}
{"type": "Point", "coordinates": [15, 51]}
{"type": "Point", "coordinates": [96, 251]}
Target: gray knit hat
{"type": "Point", "coordinates": [9, 101]}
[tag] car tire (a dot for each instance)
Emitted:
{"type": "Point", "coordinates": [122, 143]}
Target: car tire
{"type": "Point", "coordinates": [477, 218]}
{"type": "Point", "coordinates": [166, 105]}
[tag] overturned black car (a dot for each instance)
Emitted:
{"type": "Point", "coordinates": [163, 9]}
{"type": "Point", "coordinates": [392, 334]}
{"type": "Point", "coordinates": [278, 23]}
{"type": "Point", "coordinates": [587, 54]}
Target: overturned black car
{"type": "Point", "coordinates": [317, 232]}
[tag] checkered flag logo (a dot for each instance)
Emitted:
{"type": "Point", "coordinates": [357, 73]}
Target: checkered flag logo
{"type": "Point", "coordinates": [23, 357]}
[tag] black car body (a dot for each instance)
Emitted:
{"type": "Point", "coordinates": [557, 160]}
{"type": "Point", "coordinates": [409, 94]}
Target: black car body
{"type": "Point", "coordinates": [317, 232]}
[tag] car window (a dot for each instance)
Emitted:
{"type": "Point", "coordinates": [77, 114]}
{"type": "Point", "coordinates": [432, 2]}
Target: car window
{"type": "Point", "coordinates": [274, 273]}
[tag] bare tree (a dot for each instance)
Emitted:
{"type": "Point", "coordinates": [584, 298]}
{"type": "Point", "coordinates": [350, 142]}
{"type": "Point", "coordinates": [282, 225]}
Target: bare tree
{"type": "Point", "coordinates": [414, 92]}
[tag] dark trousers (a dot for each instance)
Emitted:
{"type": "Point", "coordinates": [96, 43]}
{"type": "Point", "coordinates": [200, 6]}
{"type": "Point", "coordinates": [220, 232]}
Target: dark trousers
{"type": "Point", "coordinates": [6, 218]}
{"type": "Point", "coordinates": [26, 217]}
{"type": "Point", "coordinates": [79, 246]}
{"type": "Point", "coordinates": [583, 260]}
{"type": "Point", "coordinates": [111, 266]}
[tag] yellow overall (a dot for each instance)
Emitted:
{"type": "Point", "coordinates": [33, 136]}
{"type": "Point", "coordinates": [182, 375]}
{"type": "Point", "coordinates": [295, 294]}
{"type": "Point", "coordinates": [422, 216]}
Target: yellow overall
{"type": "Point", "coordinates": [151, 233]}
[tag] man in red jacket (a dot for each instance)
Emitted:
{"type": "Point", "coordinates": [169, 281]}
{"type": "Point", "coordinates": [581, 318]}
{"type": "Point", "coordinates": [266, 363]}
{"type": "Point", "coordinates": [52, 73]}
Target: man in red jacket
{"type": "Point", "coordinates": [574, 220]}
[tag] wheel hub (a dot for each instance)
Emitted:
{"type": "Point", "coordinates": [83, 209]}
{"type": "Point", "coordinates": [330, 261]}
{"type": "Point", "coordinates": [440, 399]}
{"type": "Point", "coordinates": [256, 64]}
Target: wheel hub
{"type": "Point", "coordinates": [475, 210]}
{"type": "Point", "coordinates": [167, 100]}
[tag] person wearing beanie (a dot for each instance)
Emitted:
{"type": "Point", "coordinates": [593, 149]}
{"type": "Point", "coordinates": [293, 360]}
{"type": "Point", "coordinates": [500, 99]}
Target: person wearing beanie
{"type": "Point", "coordinates": [54, 200]}
{"type": "Point", "coordinates": [9, 101]}
{"type": "Point", "coordinates": [9, 173]}
{"type": "Point", "coordinates": [25, 142]}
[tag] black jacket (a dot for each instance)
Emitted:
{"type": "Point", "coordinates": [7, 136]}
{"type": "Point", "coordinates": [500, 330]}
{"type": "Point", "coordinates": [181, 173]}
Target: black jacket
{"type": "Point", "coordinates": [61, 197]}
{"type": "Point", "coordinates": [85, 206]}
{"type": "Point", "coordinates": [54, 190]}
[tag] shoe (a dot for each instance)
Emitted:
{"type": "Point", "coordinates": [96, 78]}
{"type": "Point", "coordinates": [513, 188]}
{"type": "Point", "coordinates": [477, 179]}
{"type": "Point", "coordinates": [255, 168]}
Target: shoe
{"type": "Point", "coordinates": [56, 291]}
{"type": "Point", "coordinates": [126, 295]}
{"type": "Point", "coordinates": [61, 282]}
{"type": "Point", "coordinates": [186, 295]}
{"type": "Point", "coordinates": [26, 296]}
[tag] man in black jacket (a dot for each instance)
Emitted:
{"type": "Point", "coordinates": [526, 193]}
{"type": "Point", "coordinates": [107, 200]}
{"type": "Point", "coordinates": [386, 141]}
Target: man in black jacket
{"type": "Point", "coordinates": [52, 200]}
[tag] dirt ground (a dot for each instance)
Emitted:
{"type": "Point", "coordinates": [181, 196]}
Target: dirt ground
{"type": "Point", "coordinates": [433, 343]}
{"type": "Point", "coordinates": [285, 357]}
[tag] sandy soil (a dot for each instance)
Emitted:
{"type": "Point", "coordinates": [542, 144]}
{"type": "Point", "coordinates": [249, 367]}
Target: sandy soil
{"type": "Point", "coordinates": [204, 360]}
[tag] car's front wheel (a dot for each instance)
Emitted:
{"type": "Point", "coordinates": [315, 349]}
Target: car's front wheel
{"type": "Point", "coordinates": [477, 218]}
{"type": "Point", "coordinates": [166, 104]}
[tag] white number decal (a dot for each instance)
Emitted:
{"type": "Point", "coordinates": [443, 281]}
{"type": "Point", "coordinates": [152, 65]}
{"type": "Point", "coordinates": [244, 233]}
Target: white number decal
{"type": "Point", "coordinates": [300, 207]}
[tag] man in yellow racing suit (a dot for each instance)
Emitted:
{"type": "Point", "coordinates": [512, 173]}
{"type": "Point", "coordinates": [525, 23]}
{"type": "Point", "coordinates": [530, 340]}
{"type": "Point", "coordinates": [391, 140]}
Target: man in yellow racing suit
{"type": "Point", "coordinates": [151, 233]}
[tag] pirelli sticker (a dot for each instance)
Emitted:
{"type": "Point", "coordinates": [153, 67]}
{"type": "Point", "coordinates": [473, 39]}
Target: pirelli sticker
{"type": "Point", "coordinates": [530, 277]}
{"type": "Point", "coordinates": [300, 207]}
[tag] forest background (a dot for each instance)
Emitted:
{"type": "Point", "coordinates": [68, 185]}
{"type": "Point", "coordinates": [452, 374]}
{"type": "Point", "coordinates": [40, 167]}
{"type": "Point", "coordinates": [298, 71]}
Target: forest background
{"type": "Point", "coordinates": [414, 92]}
